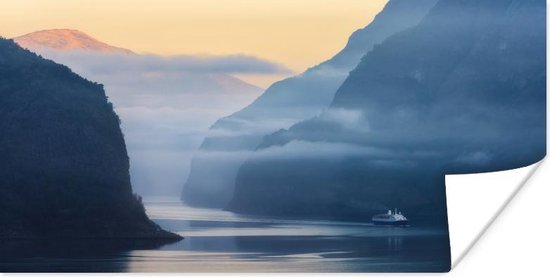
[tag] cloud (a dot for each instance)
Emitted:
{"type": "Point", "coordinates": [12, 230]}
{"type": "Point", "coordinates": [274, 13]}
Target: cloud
{"type": "Point", "coordinates": [347, 118]}
{"type": "Point", "coordinates": [235, 126]}
{"type": "Point", "coordinates": [301, 149]}
{"type": "Point", "coordinates": [167, 104]}
{"type": "Point", "coordinates": [202, 64]}
{"type": "Point", "coordinates": [351, 119]}
{"type": "Point", "coordinates": [307, 149]}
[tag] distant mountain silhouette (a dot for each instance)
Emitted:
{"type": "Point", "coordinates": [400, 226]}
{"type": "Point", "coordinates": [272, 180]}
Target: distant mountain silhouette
{"type": "Point", "coordinates": [285, 103]}
{"type": "Point", "coordinates": [464, 91]}
{"type": "Point", "coordinates": [64, 166]}
{"type": "Point", "coordinates": [66, 40]}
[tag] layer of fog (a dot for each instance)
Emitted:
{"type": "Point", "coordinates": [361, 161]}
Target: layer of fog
{"type": "Point", "coordinates": [167, 104]}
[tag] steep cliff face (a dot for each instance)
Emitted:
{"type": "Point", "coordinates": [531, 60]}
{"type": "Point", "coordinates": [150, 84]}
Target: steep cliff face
{"type": "Point", "coordinates": [213, 170]}
{"type": "Point", "coordinates": [464, 91]}
{"type": "Point", "coordinates": [64, 166]}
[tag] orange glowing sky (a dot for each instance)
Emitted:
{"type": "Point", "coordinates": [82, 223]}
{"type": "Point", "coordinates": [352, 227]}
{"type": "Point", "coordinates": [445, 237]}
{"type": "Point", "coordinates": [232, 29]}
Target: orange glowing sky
{"type": "Point", "coordinates": [295, 33]}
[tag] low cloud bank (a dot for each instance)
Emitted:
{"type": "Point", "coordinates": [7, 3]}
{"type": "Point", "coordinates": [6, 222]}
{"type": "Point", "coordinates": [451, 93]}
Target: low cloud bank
{"type": "Point", "coordinates": [102, 63]}
{"type": "Point", "coordinates": [167, 104]}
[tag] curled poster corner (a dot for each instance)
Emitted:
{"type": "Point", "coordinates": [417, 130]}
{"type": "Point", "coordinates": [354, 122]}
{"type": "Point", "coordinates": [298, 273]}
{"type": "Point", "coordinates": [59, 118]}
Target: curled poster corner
{"type": "Point", "coordinates": [474, 201]}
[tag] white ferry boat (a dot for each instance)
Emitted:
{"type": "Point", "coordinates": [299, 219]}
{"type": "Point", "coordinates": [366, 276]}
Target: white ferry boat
{"type": "Point", "coordinates": [390, 218]}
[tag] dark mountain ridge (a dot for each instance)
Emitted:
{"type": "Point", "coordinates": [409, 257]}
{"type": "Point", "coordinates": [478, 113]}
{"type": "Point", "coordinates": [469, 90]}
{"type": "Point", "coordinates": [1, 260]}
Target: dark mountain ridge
{"type": "Point", "coordinates": [64, 168]}
{"type": "Point", "coordinates": [285, 103]}
{"type": "Point", "coordinates": [462, 92]}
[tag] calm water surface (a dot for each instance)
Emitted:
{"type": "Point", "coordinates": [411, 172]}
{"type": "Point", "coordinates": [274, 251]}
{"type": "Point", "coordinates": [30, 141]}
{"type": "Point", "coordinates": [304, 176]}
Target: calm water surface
{"type": "Point", "coordinates": [219, 241]}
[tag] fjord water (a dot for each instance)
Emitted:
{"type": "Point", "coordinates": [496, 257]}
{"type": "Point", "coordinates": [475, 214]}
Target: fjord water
{"type": "Point", "coordinates": [220, 241]}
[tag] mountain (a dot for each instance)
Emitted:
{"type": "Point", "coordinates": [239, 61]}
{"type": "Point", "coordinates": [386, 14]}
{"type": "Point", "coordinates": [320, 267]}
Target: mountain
{"type": "Point", "coordinates": [464, 91]}
{"type": "Point", "coordinates": [64, 166]}
{"type": "Point", "coordinates": [66, 40]}
{"type": "Point", "coordinates": [284, 103]}
{"type": "Point", "coordinates": [155, 96]}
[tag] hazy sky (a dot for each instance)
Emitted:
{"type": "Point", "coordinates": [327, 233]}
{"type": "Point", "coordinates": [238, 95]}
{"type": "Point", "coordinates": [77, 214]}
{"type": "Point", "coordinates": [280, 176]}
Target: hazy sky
{"type": "Point", "coordinates": [295, 33]}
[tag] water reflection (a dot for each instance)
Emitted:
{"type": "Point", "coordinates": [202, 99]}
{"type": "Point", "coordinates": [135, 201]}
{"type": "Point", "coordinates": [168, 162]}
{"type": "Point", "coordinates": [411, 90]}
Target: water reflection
{"type": "Point", "coordinates": [219, 241]}
{"type": "Point", "coordinates": [72, 255]}
{"type": "Point", "coordinates": [395, 243]}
